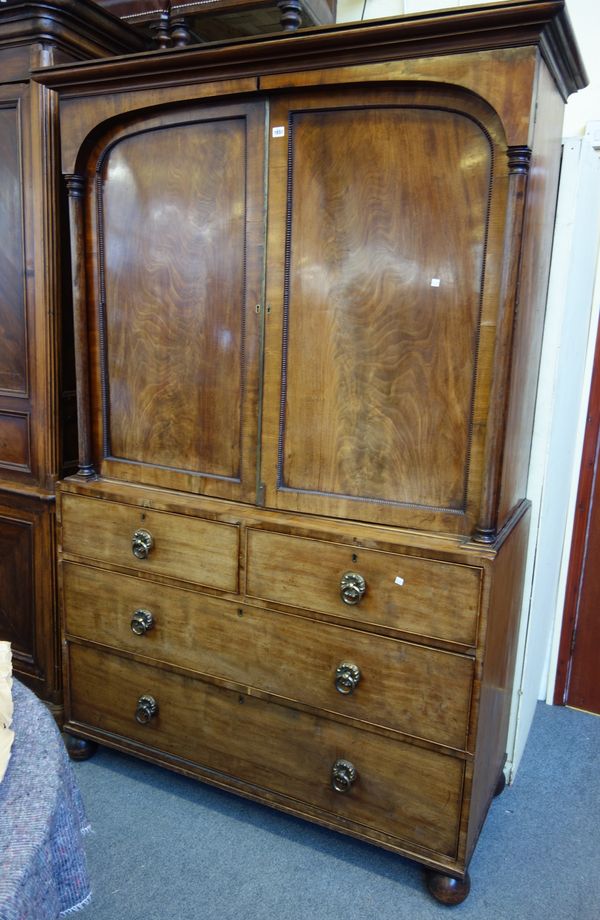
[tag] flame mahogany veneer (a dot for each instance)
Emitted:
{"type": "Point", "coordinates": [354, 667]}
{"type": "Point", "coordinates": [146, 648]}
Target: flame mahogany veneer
{"type": "Point", "coordinates": [309, 284]}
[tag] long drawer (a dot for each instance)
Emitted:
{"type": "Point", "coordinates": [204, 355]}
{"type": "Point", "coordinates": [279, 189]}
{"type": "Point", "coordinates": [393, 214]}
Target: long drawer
{"type": "Point", "coordinates": [400, 685]}
{"type": "Point", "coordinates": [198, 551]}
{"type": "Point", "coordinates": [401, 790]}
{"type": "Point", "coordinates": [421, 596]}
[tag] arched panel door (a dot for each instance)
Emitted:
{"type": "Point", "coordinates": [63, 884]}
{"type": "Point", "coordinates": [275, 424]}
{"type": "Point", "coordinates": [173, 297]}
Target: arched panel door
{"type": "Point", "coordinates": [389, 231]}
{"type": "Point", "coordinates": [177, 228]}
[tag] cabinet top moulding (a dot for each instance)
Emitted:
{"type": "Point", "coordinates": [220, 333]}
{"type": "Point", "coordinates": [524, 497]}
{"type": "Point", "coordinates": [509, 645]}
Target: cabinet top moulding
{"type": "Point", "coordinates": [541, 23]}
{"type": "Point", "coordinates": [78, 27]}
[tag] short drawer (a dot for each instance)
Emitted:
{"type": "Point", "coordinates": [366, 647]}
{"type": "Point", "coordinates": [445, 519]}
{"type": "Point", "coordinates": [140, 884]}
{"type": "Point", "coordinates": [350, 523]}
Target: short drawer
{"type": "Point", "coordinates": [421, 596]}
{"type": "Point", "coordinates": [401, 790]}
{"type": "Point", "coordinates": [187, 548]}
{"type": "Point", "coordinates": [399, 685]}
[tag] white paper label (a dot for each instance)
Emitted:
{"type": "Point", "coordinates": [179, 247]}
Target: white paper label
{"type": "Point", "coordinates": [279, 132]}
{"type": "Point", "coordinates": [398, 581]}
{"type": "Point", "coordinates": [435, 282]}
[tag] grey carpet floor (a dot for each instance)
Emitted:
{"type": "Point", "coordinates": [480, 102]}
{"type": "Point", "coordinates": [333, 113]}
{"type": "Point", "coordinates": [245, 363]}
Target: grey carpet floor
{"type": "Point", "coordinates": [165, 847]}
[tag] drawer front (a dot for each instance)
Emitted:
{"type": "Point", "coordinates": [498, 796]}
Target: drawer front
{"type": "Point", "coordinates": [421, 596]}
{"type": "Point", "coordinates": [198, 551]}
{"type": "Point", "coordinates": [406, 687]}
{"type": "Point", "coordinates": [409, 793]}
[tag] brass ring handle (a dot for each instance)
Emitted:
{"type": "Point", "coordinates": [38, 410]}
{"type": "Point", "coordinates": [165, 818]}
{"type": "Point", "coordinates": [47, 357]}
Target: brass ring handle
{"type": "Point", "coordinates": [343, 775]}
{"type": "Point", "coordinates": [347, 678]}
{"type": "Point", "coordinates": [147, 709]}
{"type": "Point", "coordinates": [141, 621]}
{"type": "Point", "coordinates": [352, 588]}
{"type": "Point", "coordinates": [141, 544]}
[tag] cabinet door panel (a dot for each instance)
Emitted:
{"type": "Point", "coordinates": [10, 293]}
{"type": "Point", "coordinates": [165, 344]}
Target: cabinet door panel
{"type": "Point", "coordinates": [386, 224]}
{"type": "Point", "coordinates": [13, 337]}
{"type": "Point", "coordinates": [179, 208]}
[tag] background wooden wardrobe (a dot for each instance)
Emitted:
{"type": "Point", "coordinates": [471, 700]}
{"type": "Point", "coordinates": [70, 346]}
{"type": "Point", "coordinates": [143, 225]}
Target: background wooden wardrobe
{"type": "Point", "coordinates": [37, 386]}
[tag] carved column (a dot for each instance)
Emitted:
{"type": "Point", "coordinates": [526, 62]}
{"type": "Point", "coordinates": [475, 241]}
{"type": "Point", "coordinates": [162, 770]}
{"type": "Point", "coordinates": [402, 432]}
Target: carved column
{"type": "Point", "coordinates": [76, 190]}
{"type": "Point", "coordinates": [518, 167]}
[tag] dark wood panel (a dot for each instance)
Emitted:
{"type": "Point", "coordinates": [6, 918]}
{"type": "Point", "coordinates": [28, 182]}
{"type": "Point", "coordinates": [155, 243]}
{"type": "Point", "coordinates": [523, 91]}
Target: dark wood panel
{"type": "Point", "coordinates": [13, 322]}
{"type": "Point", "coordinates": [174, 212]}
{"type": "Point", "coordinates": [384, 299]}
{"type": "Point", "coordinates": [14, 440]}
{"type": "Point", "coordinates": [17, 586]}
{"type": "Point", "coordinates": [179, 238]}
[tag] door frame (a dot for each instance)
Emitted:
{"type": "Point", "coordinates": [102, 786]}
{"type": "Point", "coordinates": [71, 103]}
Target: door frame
{"type": "Point", "coordinates": [581, 528]}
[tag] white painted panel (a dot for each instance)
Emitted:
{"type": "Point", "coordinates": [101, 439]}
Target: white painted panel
{"type": "Point", "coordinates": [555, 450]}
{"type": "Point", "coordinates": [354, 10]}
{"type": "Point", "coordinates": [423, 6]}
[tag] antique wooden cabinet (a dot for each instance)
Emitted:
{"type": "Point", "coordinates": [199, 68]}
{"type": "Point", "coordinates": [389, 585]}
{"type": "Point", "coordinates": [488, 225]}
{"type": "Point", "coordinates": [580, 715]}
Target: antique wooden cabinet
{"type": "Point", "coordinates": [309, 284]}
{"type": "Point", "coordinates": [37, 385]}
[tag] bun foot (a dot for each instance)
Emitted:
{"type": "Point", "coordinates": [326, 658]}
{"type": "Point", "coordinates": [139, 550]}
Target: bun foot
{"type": "Point", "coordinates": [446, 889]}
{"type": "Point", "coordinates": [500, 785]}
{"type": "Point", "coordinates": [79, 748]}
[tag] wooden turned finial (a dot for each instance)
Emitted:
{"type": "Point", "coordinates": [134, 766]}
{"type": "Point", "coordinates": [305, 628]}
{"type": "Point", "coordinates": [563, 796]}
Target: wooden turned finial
{"type": "Point", "coordinates": [161, 29]}
{"type": "Point", "coordinates": [291, 14]}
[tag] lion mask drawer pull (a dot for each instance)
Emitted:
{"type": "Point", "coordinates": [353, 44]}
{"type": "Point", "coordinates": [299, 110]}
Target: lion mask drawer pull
{"type": "Point", "coordinates": [352, 588]}
{"type": "Point", "coordinates": [141, 544]}
{"type": "Point", "coordinates": [147, 709]}
{"type": "Point", "coordinates": [141, 621]}
{"type": "Point", "coordinates": [347, 678]}
{"type": "Point", "coordinates": [343, 775]}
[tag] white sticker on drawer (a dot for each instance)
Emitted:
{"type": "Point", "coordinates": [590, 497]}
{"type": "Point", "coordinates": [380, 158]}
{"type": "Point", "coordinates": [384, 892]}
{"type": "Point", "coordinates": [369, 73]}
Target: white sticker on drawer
{"type": "Point", "coordinates": [398, 581]}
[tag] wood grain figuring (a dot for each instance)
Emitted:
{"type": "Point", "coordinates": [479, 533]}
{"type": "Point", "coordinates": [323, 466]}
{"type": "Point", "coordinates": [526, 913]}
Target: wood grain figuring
{"type": "Point", "coordinates": [412, 689]}
{"type": "Point", "coordinates": [202, 552]}
{"type": "Point", "coordinates": [402, 790]}
{"type": "Point", "coordinates": [173, 205]}
{"type": "Point", "coordinates": [435, 599]}
{"type": "Point", "coordinates": [14, 441]}
{"type": "Point", "coordinates": [503, 78]}
{"type": "Point", "coordinates": [13, 321]}
{"type": "Point", "coordinates": [389, 385]}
